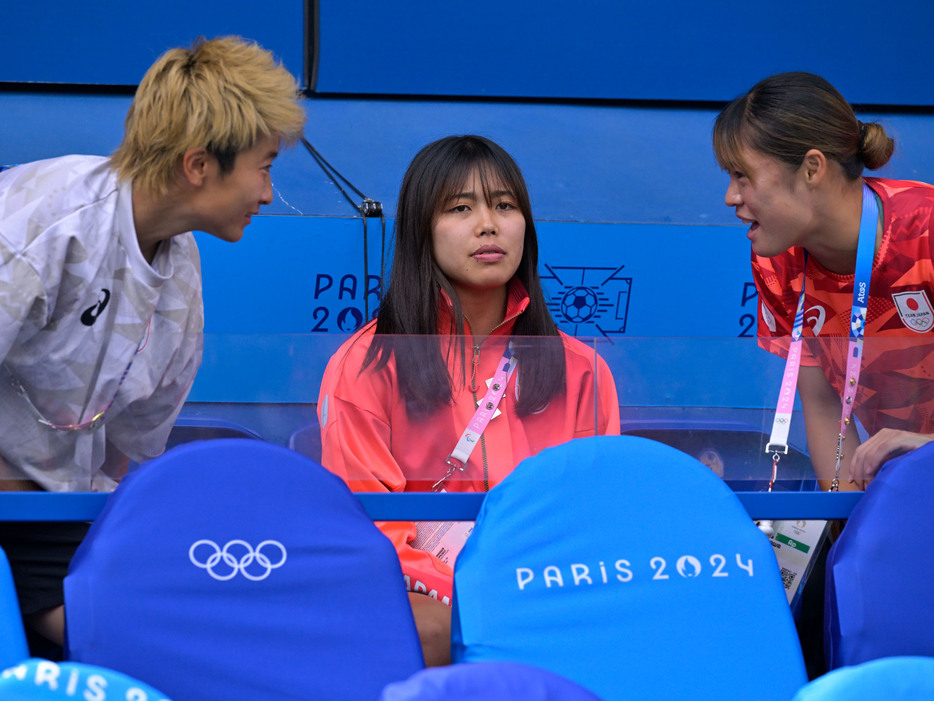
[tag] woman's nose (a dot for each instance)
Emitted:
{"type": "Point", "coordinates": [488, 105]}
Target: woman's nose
{"type": "Point", "coordinates": [485, 221]}
{"type": "Point", "coordinates": [732, 197]}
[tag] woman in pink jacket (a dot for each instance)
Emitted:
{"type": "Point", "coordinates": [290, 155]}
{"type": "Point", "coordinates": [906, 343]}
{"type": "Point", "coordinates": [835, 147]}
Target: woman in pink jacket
{"type": "Point", "coordinates": [464, 373]}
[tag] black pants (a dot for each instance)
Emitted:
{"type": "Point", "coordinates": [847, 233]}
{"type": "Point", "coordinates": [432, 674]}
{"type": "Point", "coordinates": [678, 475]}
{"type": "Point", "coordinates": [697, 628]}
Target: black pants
{"type": "Point", "coordinates": [39, 553]}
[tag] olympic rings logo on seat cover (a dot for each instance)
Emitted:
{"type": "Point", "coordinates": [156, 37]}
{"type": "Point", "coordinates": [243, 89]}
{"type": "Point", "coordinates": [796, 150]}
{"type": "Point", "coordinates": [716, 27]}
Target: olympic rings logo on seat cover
{"type": "Point", "coordinates": [230, 560]}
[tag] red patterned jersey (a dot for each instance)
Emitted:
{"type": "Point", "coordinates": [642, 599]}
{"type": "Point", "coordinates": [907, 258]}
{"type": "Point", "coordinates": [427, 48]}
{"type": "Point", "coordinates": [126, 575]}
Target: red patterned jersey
{"type": "Point", "coordinates": [896, 384]}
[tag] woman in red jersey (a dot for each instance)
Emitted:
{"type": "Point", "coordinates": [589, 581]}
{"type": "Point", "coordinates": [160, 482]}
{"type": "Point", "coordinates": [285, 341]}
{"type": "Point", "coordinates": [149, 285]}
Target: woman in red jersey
{"type": "Point", "coordinates": [859, 248]}
{"type": "Point", "coordinates": [463, 325]}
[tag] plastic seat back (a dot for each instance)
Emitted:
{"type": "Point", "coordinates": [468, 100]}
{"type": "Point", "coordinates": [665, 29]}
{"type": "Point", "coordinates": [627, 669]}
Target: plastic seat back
{"type": "Point", "coordinates": [236, 568]}
{"type": "Point", "coordinates": [188, 429]}
{"type": "Point", "coordinates": [307, 440]}
{"type": "Point", "coordinates": [631, 568]}
{"type": "Point", "coordinates": [203, 428]}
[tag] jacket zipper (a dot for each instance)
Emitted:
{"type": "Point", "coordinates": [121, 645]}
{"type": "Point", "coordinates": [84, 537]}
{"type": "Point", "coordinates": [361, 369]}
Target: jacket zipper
{"type": "Point", "coordinates": [475, 362]}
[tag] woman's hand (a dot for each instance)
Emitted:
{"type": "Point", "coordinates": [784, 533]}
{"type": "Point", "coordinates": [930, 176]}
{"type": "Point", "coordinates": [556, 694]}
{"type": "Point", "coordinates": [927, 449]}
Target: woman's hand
{"type": "Point", "coordinates": [886, 444]}
{"type": "Point", "coordinates": [433, 621]}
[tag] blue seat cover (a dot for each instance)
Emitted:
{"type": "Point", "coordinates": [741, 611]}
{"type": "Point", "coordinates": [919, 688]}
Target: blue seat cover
{"type": "Point", "coordinates": [880, 573]}
{"type": "Point", "coordinates": [236, 568]}
{"type": "Point", "coordinates": [886, 679]}
{"type": "Point", "coordinates": [486, 681]}
{"type": "Point", "coordinates": [631, 568]}
{"type": "Point", "coordinates": [13, 647]}
{"type": "Point", "coordinates": [43, 680]}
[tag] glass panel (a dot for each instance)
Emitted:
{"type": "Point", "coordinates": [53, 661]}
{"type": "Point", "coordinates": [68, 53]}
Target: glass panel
{"type": "Point", "coordinates": [441, 413]}
{"type": "Point", "coordinates": [712, 398]}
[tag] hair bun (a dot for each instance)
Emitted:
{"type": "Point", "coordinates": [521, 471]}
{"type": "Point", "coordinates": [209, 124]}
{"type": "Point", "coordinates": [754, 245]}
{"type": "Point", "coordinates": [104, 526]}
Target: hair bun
{"type": "Point", "coordinates": [875, 145]}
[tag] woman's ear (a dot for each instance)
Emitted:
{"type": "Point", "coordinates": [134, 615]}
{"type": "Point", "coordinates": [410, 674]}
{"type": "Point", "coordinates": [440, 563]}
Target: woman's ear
{"type": "Point", "coordinates": [194, 165]}
{"type": "Point", "coordinates": [814, 167]}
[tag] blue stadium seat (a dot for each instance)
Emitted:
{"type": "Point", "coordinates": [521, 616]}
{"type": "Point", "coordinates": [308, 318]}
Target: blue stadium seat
{"type": "Point", "coordinates": [486, 681]}
{"type": "Point", "coordinates": [631, 568]}
{"type": "Point", "coordinates": [879, 594]}
{"type": "Point", "coordinates": [42, 680]}
{"type": "Point", "coordinates": [884, 679]}
{"type": "Point", "coordinates": [239, 569]}
{"type": "Point", "coordinates": [13, 647]}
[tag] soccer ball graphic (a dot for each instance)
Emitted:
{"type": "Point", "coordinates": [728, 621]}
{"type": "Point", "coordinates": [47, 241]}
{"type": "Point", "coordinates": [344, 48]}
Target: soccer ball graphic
{"type": "Point", "coordinates": [579, 304]}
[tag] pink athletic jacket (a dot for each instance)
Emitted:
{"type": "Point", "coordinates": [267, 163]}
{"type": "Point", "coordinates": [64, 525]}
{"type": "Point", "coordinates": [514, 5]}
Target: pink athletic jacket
{"type": "Point", "coordinates": [370, 441]}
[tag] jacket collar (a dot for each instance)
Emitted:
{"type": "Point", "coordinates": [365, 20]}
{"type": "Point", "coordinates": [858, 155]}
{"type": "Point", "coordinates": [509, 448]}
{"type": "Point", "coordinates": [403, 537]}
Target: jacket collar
{"type": "Point", "coordinates": [517, 301]}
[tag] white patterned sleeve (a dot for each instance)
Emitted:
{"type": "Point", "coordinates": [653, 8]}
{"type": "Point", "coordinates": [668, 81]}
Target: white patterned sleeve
{"type": "Point", "coordinates": [22, 297]}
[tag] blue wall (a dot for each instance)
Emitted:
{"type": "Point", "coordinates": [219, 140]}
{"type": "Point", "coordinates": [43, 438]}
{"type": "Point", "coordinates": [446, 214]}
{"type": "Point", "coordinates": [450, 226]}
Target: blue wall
{"type": "Point", "coordinates": [104, 42]}
{"type": "Point", "coordinates": [678, 50]}
{"type": "Point", "coordinates": [673, 50]}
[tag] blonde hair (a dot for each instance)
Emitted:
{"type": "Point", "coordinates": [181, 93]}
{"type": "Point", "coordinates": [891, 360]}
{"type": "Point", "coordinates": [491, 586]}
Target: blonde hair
{"type": "Point", "coordinates": [786, 115]}
{"type": "Point", "coordinates": [221, 94]}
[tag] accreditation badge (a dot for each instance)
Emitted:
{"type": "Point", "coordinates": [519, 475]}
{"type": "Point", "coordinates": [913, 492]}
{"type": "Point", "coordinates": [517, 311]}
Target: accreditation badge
{"type": "Point", "coordinates": [796, 543]}
{"type": "Point", "coordinates": [443, 539]}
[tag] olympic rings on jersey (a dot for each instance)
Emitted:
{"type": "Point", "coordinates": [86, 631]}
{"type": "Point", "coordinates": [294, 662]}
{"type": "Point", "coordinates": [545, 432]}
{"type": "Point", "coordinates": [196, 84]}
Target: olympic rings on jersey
{"type": "Point", "coordinates": [230, 560]}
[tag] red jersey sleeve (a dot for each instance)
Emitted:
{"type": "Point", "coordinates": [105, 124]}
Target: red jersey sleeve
{"type": "Point", "coordinates": [778, 282]}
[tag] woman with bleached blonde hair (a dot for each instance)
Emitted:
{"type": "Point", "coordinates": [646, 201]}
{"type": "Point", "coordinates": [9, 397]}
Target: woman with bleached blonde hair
{"type": "Point", "coordinates": [100, 285]}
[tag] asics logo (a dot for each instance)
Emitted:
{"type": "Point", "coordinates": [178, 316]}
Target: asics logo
{"type": "Point", "coordinates": [91, 313]}
{"type": "Point", "coordinates": [816, 321]}
{"type": "Point", "coordinates": [237, 556]}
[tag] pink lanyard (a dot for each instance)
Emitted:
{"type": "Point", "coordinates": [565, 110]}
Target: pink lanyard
{"type": "Point", "coordinates": [458, 458]}
{"type": "Point", "coordinates": [865, 251]}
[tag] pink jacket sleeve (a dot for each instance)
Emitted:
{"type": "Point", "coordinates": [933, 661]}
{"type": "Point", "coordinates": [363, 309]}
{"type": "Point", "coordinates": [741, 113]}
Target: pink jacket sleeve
{"type": "Point", "coordinates": [356, 446]}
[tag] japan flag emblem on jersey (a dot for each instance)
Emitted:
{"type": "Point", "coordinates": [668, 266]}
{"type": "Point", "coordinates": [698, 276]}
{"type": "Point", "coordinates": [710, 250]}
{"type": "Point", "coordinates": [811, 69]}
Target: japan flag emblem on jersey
{"type": "Point", "coordinates": [915, 310]}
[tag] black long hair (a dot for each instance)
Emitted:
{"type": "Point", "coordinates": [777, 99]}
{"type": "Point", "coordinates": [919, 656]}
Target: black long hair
{"type": "Point", "coordinates": [410, 303]}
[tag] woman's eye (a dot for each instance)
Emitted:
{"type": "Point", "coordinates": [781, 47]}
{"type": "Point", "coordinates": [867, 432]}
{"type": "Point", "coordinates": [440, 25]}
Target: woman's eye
{"type": "Point", "coordinates": [506, 205]}
{"type": "Point", "coordinates": [459, 208]}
